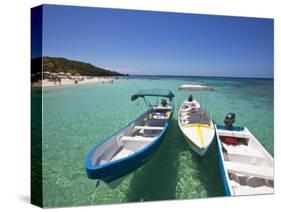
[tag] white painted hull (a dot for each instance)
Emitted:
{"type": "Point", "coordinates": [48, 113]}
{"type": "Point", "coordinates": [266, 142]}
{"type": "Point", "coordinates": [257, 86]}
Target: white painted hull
{"type": "Point", "coordinates": [247, 169]}
{"type": "Point", "coordinates": [198, 136]}
{"type": "Point", "coordinates": [199, 151]}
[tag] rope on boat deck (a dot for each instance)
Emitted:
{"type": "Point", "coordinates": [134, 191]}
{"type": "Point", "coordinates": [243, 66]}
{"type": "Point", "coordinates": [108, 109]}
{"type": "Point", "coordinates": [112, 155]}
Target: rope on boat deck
{"type": "Point", "coordinates": [95, 192]}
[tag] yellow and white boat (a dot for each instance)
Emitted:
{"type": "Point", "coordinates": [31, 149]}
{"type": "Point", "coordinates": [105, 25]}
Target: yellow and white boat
{"type": "Point", "coordinates": [195, 124]}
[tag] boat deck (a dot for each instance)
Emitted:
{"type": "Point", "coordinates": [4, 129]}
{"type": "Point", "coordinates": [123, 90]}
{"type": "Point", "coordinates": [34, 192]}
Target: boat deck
{"type": "Point", "coordinates": [122, 153]}
{"type": "Point", "coordinates": [248, 167]}
{"type": "Point", "coordinates": [248, 190]}
{"type": "Point", "coordinates": [141, 134]}
{"type": "Point", "coordinates": [194, 116]}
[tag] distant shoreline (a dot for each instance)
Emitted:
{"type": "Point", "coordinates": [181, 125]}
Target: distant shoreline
{"type": "Point", "coordinates": [63, 82]}
{"type": "Point", "coordinates": [112, 79]}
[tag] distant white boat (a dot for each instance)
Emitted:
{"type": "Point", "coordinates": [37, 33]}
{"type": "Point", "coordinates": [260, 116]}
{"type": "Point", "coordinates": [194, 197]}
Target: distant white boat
{"type": "Point", "coordinates": [194, 123]}
{"type": "Point", "coordinates": [246, 167]}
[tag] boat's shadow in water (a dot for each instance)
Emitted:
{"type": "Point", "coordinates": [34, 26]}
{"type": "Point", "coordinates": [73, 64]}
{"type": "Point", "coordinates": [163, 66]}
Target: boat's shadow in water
{"type": "Point", "coordinates": [209, 171]}
{"type": "Point", "coordinates": [157, 179]}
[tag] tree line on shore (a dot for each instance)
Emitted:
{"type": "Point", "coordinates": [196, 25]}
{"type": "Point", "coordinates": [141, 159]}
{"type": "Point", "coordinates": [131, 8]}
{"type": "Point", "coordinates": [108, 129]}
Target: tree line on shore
{"type": "Point", "coordinates": [59, 64]}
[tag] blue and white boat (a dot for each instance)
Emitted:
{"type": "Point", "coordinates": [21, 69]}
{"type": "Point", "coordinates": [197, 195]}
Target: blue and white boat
{"type": "Point", "coordinates": [246, 166]}
{"type": "Point", "coordinates": [114, 158]}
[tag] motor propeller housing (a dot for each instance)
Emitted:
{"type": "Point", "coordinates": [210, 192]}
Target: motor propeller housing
{"type": "Point", "coordinates": [229, 120]}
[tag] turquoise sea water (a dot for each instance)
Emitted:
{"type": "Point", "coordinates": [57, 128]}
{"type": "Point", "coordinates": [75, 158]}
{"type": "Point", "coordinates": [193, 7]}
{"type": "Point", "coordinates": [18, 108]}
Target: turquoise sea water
{"type": "Point", "coordinates": [77, 117]}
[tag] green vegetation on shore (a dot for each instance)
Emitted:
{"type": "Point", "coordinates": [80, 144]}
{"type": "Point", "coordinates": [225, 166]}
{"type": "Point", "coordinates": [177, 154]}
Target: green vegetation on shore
{"type": "Point", "coordinates": [59, 64]}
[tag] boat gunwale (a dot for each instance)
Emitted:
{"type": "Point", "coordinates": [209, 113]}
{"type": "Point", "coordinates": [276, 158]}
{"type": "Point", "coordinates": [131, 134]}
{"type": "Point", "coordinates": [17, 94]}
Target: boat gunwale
{"type": "Point", "coordinates": [90, 166]}
{"type": "Point", "coordinates": [224, 174]}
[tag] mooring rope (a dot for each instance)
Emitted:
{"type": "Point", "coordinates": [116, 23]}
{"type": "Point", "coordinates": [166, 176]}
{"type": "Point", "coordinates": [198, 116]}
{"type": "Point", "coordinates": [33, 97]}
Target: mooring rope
{"type": "Point", "coordinates": [95, 192]}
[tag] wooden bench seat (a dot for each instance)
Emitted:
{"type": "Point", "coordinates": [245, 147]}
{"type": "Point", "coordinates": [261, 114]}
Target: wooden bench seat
{"type": "Point", "coordinates": [249, 170]}
{"type": "Point", "coordinates": [242, 150]}
{"type": "Point", "coordinates": [137, 138]}
{"type": "Point", "coordinates": [148, 128]}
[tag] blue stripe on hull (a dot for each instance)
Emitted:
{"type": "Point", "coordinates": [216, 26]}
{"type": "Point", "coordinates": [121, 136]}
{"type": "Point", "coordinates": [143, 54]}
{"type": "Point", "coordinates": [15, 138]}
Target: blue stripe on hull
{"type": "Point", "coordinates": [224, 179]}
{"type": "Point", "coordinates": [122, 167]}
{"type": "Point", "coordinates": [236, 128]}
{"type": "Point", "coordinates": [127, 166]}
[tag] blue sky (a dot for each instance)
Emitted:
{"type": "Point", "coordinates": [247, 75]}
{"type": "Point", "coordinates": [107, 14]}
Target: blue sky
{"type": "Point", "coordinates": [158, 43]}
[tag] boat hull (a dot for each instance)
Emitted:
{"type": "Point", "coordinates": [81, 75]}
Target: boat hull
{"type": "Point", "coordinates": [199, 151]}
{"type": "Point", "coordinates": [113, 171]}
{"type": "Point", "coordinates": [198, 136]}
{"type": "Point", "coordinates": [228, 156]}
{"type": "Point", "coordinates": [222, 169]}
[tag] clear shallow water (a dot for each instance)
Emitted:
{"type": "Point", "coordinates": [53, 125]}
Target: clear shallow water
{"type": "Point", "coordinates": [77, 117]}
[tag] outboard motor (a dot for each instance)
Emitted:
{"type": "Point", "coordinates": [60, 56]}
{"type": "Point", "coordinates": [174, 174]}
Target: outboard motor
{"type": "Point", "coordinates": [164, 102]}
{"type": "Point", "coordinates": [229, 120]}
{"type": "Point", "coordinates": [190, 98]}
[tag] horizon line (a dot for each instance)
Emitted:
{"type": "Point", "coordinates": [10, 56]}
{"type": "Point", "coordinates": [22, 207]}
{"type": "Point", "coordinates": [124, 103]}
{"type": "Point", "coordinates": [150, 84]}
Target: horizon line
{"type": "Point", "coordinates": [143, 75]}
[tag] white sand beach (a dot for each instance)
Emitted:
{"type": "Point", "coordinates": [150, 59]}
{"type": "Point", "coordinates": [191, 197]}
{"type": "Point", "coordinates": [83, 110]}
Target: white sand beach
{"type": "Point", "coordinates": [76, 81]}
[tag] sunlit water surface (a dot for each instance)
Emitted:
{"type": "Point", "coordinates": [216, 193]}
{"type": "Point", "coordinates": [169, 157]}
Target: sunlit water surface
{"type": "Point", "coordinates": [75, 118]}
